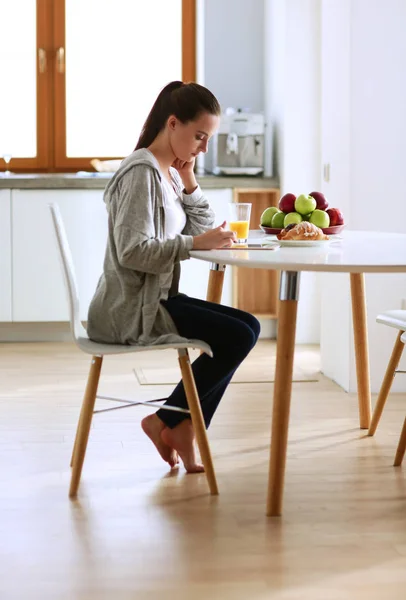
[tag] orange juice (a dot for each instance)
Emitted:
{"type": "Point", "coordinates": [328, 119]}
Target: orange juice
{"type": "Point", "coordinates": [240, 228]}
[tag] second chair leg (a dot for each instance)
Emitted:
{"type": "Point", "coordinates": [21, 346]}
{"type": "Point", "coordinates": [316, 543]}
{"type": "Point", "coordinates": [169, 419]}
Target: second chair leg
{"type": "Point", "coordinates": [197, 419]}
{"type": "Point", "coordinates": [76, 438]}
{"type": "Point", "coordinates": [85, 422]}
{"type": "Point", "coordinates": [387, 383]}
{"type": "Point", "coordinates": [400, 452]}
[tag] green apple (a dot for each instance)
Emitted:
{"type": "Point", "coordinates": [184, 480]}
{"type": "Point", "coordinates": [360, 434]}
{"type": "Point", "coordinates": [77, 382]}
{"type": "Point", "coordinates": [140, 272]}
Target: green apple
{"type": "Point", "coordinates": [293, 217]}
{"type": "Point", "coordinates": [266, 217]}
{"type": "Point", "coordinates": [320, 218]}
{"type": "Point", "coordinates": [278, 219]}
{"type": "Point", "coordinates": [305, 204]}
{"type": "Point", "coordinates": [307, 217]}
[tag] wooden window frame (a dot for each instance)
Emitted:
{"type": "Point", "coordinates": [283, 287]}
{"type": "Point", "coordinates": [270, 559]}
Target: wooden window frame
{"type": "Point", "coordinates": [51, 88]}
{"type": "Point", "coordinates": [42, 161]}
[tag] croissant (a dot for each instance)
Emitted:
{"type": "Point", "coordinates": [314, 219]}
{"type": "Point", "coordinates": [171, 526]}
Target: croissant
{"type": "Point", "coordinates": [302, 231]}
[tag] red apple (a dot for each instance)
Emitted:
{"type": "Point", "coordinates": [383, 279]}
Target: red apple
{"type": "Point", "coordinates": [287, 203]}
{"type": "Point", "coordinates": [321, 201]}
{"type": "Point", "coordinates": [336, 216]}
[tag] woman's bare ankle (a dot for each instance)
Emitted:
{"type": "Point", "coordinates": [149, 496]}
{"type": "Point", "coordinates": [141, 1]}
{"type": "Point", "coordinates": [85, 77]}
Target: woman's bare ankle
{"type": "Point", "coordinates": [153, 428]}
{"type": "Point", "coordinates": [181, 438]}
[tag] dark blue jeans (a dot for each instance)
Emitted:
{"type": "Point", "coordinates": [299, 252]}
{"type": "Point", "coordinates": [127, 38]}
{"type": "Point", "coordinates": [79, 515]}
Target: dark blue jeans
{"type": "Point", "coordinates": [231, 334]}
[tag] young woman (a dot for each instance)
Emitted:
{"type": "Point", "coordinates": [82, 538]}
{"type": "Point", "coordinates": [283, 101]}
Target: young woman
{"type": "Point", "coordinates": [156, 215]}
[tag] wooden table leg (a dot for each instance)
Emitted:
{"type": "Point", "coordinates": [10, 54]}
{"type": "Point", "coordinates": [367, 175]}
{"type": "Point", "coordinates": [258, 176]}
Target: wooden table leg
{"type": "Point", "coordinates": [216, 279]}
{"type": "Point", "coordinates": [359, 319]}
{"type": "Point", "coordinates": [400, 452]}
{"type": "Point", "coordinates": [288, 297]}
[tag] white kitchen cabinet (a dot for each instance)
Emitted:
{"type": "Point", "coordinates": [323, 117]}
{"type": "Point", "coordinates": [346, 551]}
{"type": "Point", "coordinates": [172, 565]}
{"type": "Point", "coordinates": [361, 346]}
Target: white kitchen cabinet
{"type": "Point", "coordinates": [38, 290]}
{"type": "Point", "coordinates": [195, 273]}
{"type": "Point", "coordinates": [5, 255]}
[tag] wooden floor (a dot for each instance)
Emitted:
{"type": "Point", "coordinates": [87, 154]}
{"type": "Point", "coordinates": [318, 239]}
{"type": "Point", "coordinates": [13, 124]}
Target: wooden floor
{"type": "Point", "coordinates": [140, 532]}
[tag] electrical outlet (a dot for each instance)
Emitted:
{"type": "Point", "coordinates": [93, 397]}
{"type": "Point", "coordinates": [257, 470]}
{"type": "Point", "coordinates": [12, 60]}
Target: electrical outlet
{"type": "Point", "coordinates": [403, 304]}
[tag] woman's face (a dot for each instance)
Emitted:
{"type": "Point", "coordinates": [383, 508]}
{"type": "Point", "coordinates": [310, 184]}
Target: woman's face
{"type": "Point", "coordinates": [187, 140]}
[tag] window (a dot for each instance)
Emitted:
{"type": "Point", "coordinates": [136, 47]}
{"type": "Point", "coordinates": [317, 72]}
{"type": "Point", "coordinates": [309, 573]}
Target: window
{"type": "Point", "coordinates": [79, 76]}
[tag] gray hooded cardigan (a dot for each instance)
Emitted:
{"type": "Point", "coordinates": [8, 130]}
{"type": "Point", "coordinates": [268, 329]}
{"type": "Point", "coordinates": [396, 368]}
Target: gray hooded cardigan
{"type": "Point", "coordinates": [141, 266]}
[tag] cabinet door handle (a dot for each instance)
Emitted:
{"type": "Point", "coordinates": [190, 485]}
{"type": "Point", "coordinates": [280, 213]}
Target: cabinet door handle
{"type": "Point", "coordinates": [42, 60]}
{"type": "Point", "coordinates": [60, 60]}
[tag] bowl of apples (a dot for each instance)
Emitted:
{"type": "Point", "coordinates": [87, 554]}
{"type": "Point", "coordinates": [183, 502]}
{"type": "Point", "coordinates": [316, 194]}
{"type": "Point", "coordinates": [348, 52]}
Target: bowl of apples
{"type": "Point", "coordinates": [293, 209]}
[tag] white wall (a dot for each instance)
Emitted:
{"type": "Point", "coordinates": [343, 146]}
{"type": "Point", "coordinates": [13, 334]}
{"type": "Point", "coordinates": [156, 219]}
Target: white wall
{"type": "Point", "coordinates": [378, 148]}
{"type": "Point", "coordinates": [292, 92]}
{"type": "Point", "coordinates": [336, 87]}
{"type": "Point", "coordinates": [378, 83]}
{"type": "Point", "coordinates": [234, 54]}
{"type": "Point", "coordinates": [372, 32]}
{"type": "Point", "coordinates": [301, 159]}
{"type": "Point", "coordinates": [335, 117]}
{"type": "Point", "coordinates": [274, 84]}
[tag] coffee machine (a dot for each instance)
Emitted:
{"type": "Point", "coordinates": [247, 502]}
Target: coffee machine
{"type": "Point", "coordinates": [239, 144]}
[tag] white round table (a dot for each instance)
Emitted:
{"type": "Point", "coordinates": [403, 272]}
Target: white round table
{"type": "Point", "coordinates": [354, 252]}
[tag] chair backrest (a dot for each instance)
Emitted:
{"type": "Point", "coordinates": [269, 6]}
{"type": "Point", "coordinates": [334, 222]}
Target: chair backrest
{"type": "Point", "coordinates": [68, 273]}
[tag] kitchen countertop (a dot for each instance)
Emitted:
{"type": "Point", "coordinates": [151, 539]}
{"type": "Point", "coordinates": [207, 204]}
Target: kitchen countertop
{"type": "Point", "coordinates": [99, 181]}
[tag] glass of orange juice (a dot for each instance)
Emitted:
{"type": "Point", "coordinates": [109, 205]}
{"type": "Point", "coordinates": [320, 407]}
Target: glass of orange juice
{"type": "Point", "coordinates": [239, 220]}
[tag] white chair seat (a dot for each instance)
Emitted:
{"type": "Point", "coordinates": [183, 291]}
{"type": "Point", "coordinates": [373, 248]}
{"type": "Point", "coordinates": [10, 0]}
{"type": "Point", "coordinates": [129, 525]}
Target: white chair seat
{"type": "Point", "coordinates": [393, 318]}
{"type": "Point", "coordinates": [98, 349]}
{"type": "Point", "coordinates": [403, 338]}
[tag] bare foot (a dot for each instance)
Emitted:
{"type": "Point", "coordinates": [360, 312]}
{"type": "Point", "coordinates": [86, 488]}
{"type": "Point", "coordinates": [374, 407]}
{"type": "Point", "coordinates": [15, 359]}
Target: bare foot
{"type": "Point", "coordinates": [153, 427]}
{"type": "Point", "coordinates": [181, 438]}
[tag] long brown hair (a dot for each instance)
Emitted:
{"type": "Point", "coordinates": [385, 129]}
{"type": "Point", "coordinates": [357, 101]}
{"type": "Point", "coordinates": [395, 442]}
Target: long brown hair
{"type": "Point", "coordinates": [184, 100]}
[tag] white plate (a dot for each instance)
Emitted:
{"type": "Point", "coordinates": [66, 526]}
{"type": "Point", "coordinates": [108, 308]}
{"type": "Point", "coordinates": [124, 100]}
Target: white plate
{"type": "Point", "coordinates": [303, 243]}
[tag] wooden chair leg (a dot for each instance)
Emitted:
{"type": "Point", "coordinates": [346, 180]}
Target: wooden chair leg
{"type": "Point", "coordinates": [76, 438]}
{"type": "Point", "coordinates": [359, 317]}
{"type": "Point", "coordinates": [387, 383]}
{"type": "Point", "coordinates": [400, 452]}
{"type": "Point", "coordinates": [197, 419]}
{"type": "Point", "coordinates": [82, 434]}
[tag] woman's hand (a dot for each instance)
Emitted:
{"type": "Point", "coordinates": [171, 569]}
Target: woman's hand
{"type": "Point", "coordinates": [215, 238]}
{"type": "Point", "coordinates": [184, 167]}
{"type": "Point", "coordinates": [185, 170]}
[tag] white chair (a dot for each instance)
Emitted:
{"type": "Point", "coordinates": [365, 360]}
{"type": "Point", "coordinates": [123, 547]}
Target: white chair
{"type": "Point", "coordinates": [98, 351]}
{"type": "Point", "coordinates": [397, 320]}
